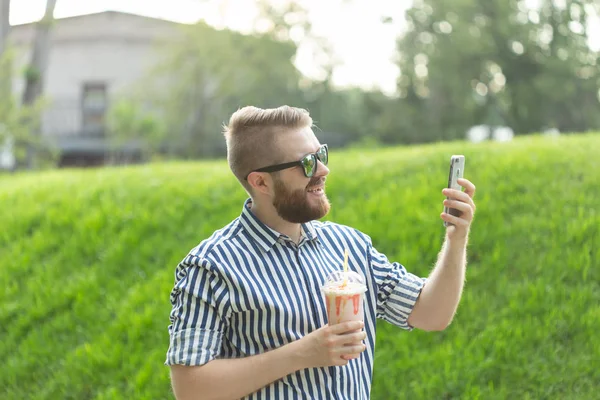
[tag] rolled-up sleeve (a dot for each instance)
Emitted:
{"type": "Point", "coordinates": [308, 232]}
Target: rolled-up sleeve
{"type": "Point", "coordinates": [199, 314]}
{"type": "Point", "coordinates": [397, 289]}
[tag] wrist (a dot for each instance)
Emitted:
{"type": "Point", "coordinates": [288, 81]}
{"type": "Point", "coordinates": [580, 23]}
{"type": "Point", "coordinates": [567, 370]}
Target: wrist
{"type": "Point", "coordinates": [457, 240]}
{"type": "Point", "coordinates": [297, 355]}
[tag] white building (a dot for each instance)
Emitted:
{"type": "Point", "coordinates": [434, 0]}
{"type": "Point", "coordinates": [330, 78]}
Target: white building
{"type": "Point", "coordinates": [92, 57]}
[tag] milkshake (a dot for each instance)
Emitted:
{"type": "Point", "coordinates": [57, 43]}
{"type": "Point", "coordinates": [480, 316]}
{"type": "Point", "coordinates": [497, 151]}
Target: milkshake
{"type": "Point", "coordinates": [344, 297]}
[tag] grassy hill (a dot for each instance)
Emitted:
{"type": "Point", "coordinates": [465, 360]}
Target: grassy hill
{"type": "Point", "coordinates": [87, 261]}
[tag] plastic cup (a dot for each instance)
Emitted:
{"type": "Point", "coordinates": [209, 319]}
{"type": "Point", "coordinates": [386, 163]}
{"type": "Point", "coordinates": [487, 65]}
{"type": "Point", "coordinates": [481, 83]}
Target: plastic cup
{"type": "Point", "coordinates": [344, 300]}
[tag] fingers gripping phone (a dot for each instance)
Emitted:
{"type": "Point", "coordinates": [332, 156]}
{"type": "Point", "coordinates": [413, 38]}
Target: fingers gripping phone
{"type": "Point", "coordinates": [457, 168]}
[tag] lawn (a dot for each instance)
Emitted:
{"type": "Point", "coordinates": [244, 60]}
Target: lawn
{"type": "Point", "coordinates": [87, 260]}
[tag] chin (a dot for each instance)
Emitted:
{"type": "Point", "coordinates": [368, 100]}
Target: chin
{"type": "Point", "coordinates": [323, 209]}
{"type": "Point", "coordinates": [300, 207]}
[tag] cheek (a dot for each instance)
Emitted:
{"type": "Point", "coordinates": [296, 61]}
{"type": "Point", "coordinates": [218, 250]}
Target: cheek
{"type": "Point", "coordinates": [290, 189]}
{"type": "Point", "coordinates": [297, 186]}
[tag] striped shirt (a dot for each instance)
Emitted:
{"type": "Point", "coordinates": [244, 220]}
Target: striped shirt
{"type": "Point", "coordinates": [248, 289]}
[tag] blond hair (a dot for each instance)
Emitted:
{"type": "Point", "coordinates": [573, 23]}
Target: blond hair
{"type": "Point", "coordinates": [252, 134]}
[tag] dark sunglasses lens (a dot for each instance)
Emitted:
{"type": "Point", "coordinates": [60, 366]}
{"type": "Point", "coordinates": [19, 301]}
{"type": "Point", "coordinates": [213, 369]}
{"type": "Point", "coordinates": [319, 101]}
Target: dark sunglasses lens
{"type": "Point", "coordinates": [323, 155]}
{"type": "Point", "coordinates": [309, 164]}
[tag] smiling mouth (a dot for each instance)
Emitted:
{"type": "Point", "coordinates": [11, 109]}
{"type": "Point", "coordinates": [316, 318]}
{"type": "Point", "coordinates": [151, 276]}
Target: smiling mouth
{"type": "Point", "coordinates": [317, 187]}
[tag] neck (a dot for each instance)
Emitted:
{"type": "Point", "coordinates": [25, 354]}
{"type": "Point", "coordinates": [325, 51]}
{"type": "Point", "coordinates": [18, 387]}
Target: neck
{"type": "Point", "coordinates": [268, 216]}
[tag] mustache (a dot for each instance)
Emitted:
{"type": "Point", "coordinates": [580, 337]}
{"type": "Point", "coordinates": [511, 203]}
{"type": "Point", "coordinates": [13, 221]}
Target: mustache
{"type": "Point", "coordinates": [316, 182]}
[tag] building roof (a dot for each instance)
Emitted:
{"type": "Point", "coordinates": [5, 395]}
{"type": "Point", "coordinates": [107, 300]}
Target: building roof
{"type": "Point", "coordinates": [100, 25]}
{"type": "Point", "coordinates": [99, 13]}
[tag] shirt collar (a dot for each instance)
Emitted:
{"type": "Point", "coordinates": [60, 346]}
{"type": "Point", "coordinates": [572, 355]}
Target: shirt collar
{"type": "Point", "coordinates": [310, 231]}
{"type": "Point", "coordinates": [265, 236]}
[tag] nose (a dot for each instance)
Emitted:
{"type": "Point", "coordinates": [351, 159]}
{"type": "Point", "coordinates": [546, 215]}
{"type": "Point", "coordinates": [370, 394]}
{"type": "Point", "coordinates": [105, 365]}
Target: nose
{"type": "Point", "coordinates": [322, 170]}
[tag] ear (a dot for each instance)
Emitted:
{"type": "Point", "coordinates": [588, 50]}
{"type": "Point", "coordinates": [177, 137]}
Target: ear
{"type": "Point", "coordinates": [260, 182]}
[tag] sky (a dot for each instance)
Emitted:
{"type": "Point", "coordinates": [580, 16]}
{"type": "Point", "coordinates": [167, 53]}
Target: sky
{"type": "Point", "coordinates": [364, 46]}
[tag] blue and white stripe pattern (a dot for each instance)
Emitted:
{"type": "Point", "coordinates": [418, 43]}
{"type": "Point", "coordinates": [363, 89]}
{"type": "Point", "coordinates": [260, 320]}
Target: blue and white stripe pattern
{"type": "Point", "coordinates": [247, 289]}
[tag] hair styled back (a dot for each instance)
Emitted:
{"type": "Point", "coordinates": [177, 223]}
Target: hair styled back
{"type": "Point", "coordinates": [252, 134]}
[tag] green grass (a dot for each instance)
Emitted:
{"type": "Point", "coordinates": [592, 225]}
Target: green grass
{"type": "Point", "coordinates": [87, 261]}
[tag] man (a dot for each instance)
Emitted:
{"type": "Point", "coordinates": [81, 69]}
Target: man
{"type": "Point", "coordinates": [248, 317]}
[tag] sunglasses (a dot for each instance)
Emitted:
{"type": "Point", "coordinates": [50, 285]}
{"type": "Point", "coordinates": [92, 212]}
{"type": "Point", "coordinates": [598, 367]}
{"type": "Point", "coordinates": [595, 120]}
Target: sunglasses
{"type": "Point", "coordinates": [308, 163]}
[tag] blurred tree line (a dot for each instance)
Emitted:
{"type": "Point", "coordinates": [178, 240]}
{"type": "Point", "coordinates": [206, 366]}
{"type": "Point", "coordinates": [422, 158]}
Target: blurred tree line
{"type": "Point", "coordinates": [462, 63]}
{"type": "Point", "coordinates": [206, 74]}
{"type": "Point", "coordinates": [498, 62]}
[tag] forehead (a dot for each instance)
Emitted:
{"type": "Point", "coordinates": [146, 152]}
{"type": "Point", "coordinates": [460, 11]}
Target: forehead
{"type": "Point", "coordinates": [298, 142]}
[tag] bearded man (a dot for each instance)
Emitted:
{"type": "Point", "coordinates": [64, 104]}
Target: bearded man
{"type": "Point", "coordinates": [248, 317]}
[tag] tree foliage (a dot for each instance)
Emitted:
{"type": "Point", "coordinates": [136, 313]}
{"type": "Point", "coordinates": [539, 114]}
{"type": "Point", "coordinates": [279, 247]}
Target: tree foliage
{"type": "Point", "coordinates": [207, 73]}
{"type": "Point", "coordinates": [130, 125]}
{"type": "Point", "coordinates": [17, 122]}
{"type": "Point", "coordinates": [462, 63]}
{"type": "Point", "coordinates": [498, 62]}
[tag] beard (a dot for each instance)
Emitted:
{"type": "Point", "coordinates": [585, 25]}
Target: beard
{"type": "Point", "coordinates": [295, 206]}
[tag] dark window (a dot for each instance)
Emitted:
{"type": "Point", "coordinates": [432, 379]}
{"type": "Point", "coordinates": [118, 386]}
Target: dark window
{"type": "Point", "coordinates": [94, 104]}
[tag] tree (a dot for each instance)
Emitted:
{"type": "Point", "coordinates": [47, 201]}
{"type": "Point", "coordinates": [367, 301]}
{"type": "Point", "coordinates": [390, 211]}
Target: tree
{"type": "Point", "coordinates": [5, 82]}
{"type": "Point", "coordinates": [16, 121]}
{"type": "Point", "coordinates": [206, 73]}
{"type": "Point", "coordinates": [498, 62]}
{"type": "Point", "coordinates": [34, 75]}
{"type": "Point", "coordinates": [571, 82]}
{"type": "Point", "coordinates": [131, 126]}
{"type": "Point", "coordinates": [4, 23]}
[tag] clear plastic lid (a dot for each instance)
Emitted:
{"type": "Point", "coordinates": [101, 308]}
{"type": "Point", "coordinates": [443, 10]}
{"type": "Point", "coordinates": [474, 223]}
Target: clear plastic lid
{"type": "Point", "coordinates": [354, 282]}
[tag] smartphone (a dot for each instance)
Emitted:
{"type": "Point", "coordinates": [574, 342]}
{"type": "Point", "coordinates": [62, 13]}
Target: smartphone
{"type": "Point", "coordinates": [457, 169]}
